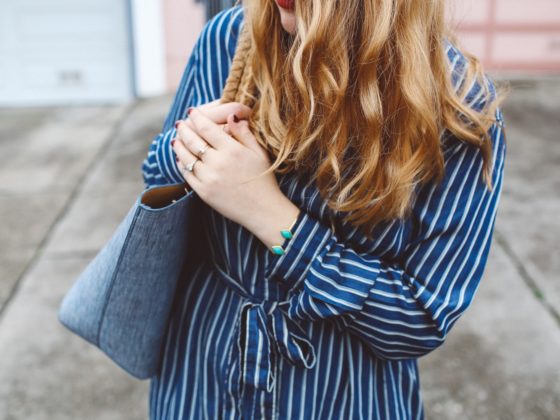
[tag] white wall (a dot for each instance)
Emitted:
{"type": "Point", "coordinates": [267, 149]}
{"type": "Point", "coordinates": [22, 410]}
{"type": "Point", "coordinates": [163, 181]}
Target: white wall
{"type": "Point", "coordinates": [149, 47]}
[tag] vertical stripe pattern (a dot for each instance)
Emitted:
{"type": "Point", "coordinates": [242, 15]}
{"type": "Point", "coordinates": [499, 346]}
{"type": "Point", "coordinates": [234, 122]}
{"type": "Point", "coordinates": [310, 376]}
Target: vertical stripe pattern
{"type": "Point", "coordinates": [332, 328]}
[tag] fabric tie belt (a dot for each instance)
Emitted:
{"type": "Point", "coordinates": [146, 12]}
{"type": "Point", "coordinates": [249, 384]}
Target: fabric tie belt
{"type": "Point", "coordinates": [264, 331]}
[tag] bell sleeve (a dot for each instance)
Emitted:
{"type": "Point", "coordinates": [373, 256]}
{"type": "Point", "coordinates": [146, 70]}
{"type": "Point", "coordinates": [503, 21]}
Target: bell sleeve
{"type": "Point", "coordinates": [404, 308]}
{"type": "Point", "coordinates": [159, 166]}
{"type": "Point", "coordinates": [202, 81]}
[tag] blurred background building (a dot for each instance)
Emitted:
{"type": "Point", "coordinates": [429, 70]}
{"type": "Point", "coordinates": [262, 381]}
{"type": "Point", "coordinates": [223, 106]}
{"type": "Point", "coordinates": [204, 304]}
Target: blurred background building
{"type": "Point", "coordinates": [104, 51]}
{"type": "Point", "coordinates": [511, 36]}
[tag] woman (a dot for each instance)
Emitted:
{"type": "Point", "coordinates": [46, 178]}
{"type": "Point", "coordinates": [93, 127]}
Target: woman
{"type": "Point", "coordinates": [355, 253]}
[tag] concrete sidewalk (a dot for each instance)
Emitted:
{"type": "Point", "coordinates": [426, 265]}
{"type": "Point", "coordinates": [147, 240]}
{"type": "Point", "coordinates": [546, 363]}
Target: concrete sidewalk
{"type": "Point", "coordinates": [70, 174]}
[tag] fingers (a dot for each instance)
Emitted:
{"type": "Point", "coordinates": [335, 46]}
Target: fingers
{"type": "Point", "coordinates": [192, 141]}
{"type": "Point", "coordinates": [209, 105]}
{"type": "Point", "coordinates": [224, 126]}
{"type": "Point", "coordinates": [242, 133]}
{"type": "Point", "coordinates": [184, 157]}
{"type": "Point", "coordinates": [208, 130]}
{"type": "Point", "coordinates": [205, 107]}
{"type": "Point", "coordinates": [218, 112]}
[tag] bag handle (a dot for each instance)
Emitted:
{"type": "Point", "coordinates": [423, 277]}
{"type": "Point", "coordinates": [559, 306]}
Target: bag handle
{"type": "Point", "coordinates": [239, 85]}
{"type": "Point", "coordinates": [163, 195]}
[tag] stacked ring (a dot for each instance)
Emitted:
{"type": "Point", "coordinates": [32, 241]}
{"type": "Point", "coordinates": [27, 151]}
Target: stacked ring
{"type": "Point", "coordinates": [190, 166]}
{"type": "Point", "coordinates": [202, 150]}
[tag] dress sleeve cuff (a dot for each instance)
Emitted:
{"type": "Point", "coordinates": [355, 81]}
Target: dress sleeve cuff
{"type": "Point", "coordinates": [309, 237]}
{"type": "Point", "coordinates": [166, 157]}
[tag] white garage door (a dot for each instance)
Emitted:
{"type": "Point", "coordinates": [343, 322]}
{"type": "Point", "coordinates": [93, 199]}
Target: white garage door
{"type": "Point", "coordinates": [64, 51]}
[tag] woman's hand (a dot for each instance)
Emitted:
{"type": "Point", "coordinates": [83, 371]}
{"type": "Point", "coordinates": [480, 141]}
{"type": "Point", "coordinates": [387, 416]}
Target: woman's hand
{"type": "Point", "coordinates": [218, 112]}
{"type": "Point", "coordinates": [222, 177]}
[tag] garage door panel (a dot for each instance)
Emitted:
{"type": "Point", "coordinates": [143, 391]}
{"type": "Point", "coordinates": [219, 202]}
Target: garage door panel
{"type": "Point", "coordinates": [74, 74]}
{"type": "Point", "coordinates": [2, 79]}
{"type": "Point", "coordinates": [65, 51]}
{"type": "Point", "coordinates": [93, 46]}
{"type": "Point", "coordinates": [67, 24]}
{"type": "Point", "coordinates": [48, 80]}
{"type": "Point", "coordinates": [54, 52]}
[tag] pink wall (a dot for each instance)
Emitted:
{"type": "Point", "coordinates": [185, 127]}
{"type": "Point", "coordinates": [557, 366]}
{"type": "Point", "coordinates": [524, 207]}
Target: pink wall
{"type": "Point", "coordinates": [184, 20]}
{"type": "Point", "coordinates": [508, 35]}
{"type": "Point", "coordinates": [511, 35]}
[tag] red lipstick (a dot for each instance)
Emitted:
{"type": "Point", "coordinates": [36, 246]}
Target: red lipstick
{"type": "Point", "coordinates": [286, 4]}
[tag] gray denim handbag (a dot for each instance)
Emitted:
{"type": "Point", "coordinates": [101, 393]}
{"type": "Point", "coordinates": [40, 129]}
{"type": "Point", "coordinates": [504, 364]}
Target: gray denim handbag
{"type": "Point", "coordinates": [122, 301]}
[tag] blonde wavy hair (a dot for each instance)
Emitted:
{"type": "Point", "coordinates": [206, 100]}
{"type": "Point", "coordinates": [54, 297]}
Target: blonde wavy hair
{"type": "Point", "coordinates": [360, 96]}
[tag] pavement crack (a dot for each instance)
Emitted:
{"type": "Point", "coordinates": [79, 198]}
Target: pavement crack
{"type": "Point", "coordinates": [63, 255]}
{"type": "Point", "coordinates": [101, 153]}
{"type": "Point", "coordinates": [527, 278]}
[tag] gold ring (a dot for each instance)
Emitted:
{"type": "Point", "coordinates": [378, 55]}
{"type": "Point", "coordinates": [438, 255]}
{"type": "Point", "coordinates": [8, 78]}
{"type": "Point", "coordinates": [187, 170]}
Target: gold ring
{"type": "Point", "coordinates": [190, 166]}
{"type": "Point", "coordinates": [202, 150]}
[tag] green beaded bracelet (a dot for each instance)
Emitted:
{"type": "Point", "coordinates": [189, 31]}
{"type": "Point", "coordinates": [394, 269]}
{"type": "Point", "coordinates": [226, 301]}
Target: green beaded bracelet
{"type": "Point", "coordinates": [286, 233]}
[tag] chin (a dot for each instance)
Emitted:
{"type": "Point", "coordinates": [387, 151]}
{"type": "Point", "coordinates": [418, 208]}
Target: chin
{"type": "Point", "coordinates": [288, 20]}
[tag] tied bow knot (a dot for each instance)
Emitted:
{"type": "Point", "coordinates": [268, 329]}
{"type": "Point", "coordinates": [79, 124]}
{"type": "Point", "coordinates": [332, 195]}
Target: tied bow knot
{"type": "Point", "coordinates": [265, 331]}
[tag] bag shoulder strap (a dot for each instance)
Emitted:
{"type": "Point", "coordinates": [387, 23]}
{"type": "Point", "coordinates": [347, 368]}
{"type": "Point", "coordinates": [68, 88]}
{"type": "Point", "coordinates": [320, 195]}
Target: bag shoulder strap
{"type": "Point", "coordinates": [238, 87]}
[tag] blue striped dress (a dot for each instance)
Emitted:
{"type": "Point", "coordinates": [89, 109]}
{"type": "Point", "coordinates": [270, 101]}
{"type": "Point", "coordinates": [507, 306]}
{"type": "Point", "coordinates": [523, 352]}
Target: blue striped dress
{"type": "Point", "coordinates": [333, 328]}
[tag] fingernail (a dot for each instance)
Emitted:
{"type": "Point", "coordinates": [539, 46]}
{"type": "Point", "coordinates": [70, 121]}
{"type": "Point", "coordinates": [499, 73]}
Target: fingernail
{"type": "Point", "coordinates": [189, 110]}
{"type": "Point", "coordinates": [177, 123]}
{"type": "Point", "coordinates": [235, 118]}
{"type": "Point", "coordinates": [172, 142]}
{"type": "Point", "coordinates": [177, 158]}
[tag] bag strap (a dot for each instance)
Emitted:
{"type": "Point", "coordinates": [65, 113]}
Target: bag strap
{"type": "Point", "coordinates": [239, 84]}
